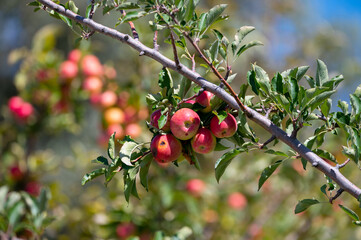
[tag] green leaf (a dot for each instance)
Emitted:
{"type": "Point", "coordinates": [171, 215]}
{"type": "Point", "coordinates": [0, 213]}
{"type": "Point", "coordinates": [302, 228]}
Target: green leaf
{"type": "Point", "coordinates": [15, 212]}
{"type": "Point", "coordinates": [220, 115]}
{"type": "Point", "coordinates": [144, 168]}
{"type": "Point", "coordinates": [251, 77]}
{"type": "Point", "coordinates": [202, 22]}
{"type": "Point", "coordinates": [263, 79]}
{"type": "Point", "coordinates": [325, 154]}
{"type": "Point", "coordinates": [225, 160]}
{"type": "Point", "coordinates": [267, 172]}
{"type": "Point", "coordinates": [318, 100]}
{"type": "Point", "coordinates": [248, 46]}
{"type": "Point", "coordinates": [242, 91]}
{"type": "Point", "coordinates": [133, 15]}
{"type": "Point", "coordinates": [310, 81]}
{"type": "Point", "coordinates": [162, 121]}
{"type": "Point", "coordinates": [72, 7]}
{"type": "Point", "coordinates": [278, 153]}
{"type": "Point", "coordinates": [111, 147]}
{"type": "Point", "coordinates": [351, 213]}
{"type": "Point", "coordinates": [3, 193]}
{"type": "Point", "coordinates": [165, 79]}
{"type": "Point", "coordinates": [102, 160]}
{"type": "Point", "coordinates": [126, 151]}
{"type": "Point", "coordinates": [277, 83]}
{"type": "Point", "coordinates": [153, 99]}
{"type": "Point", "coordinates": [189, 10]}
{"type": "Point", "coordinates": [66, 20]}
{"type": "Point", "coordinates": [214, 50]}
{"type": "Point", "coordinates": [241, 33]}
{"type": "Point", "coordinates": [87, 11]}
{"type": "Point", "coordinates": [128, 188]}
{"type": "Point", "coordinates": [184, 87]}
{"type": "Point", "coordinates": [321, 74]}
{"type": "Point", "coordinates": [355, 104]}
{"type": "Point", "coordinates": [343, 105]}
{"type": "Point", "coordinates": [326, 107]}
{"type": "Point", "coordinates": [127, 5]}
{"type": "Point", "coordinates": [158, 235]}
{"type": "Point", "coordinates": [294, 89]}
{"type": "Point", "coordinates": [90, 176]}
{"type": "Point", "coordinates": [220, 147]}
{"type": "Point", "coordinates": [304, 204]}
{"type": "Point", "coordinates": [213, 15]}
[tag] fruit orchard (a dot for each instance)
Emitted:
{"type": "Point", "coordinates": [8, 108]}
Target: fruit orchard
{"type": "Point", "coordinates": [174, 143]}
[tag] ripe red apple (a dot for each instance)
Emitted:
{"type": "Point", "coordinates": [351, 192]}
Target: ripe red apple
{"type": "Point", "coordinates": [25, 111]}
{"type": "Point", "coordinates": [15, 103]}
{"type": "Point", "coordinates": [33, 188]}
{"type": "Point", "coordinates": [237, 201]}
{"type": "Point", "coordinates": [117, 128]}
{"type": "Point", "coordinates": [74, 56]}
{"type": "Point", "coordinates": [165, 148]}
{"type": "Point", "coordinates": [91, 66]}
{"type": "Point", "coordinates": [114, 115]}
{"type": "Point", "coordinates": [16, 173]}
{"type": "Point", "coordinates": [184, 123]}
{"type": "Point", "coordinates": [154, 120]}
{"type": "Point", "coordinates": [93, 84]}
{"type": "Point", "coordinates": [204, 99]}
{"type": "Point", "coordinates": [204, 141]}
{"type": "Point", "coordinates": [226, 128]}
{"type": "Point", "coordinates": [133, 130]}
{"type": "Point", "coordinates": [124, 230]}
{"type": "Point", "coordinates": [68, 70]}
{"type": "Point", "coordinates": [195, 187]}
{"type": "Point", "coordinates": [108, 99]}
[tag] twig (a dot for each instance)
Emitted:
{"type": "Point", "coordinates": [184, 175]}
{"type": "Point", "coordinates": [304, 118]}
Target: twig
{"type": "Point", "coordinates": [155, 41]}
{"type": "Point", "coordinates": [91, 13]}
{"type": "Point", "coordinates": [138, 158]}
{"type": "Point", "coordinates": [253, 115]}
{"type": "Point", "coordinates": [132, 27]}
{"type": "Point", "coordinates": [273, 137]}
{"type": "Point", "coordinates": [295, 129]}
{"type": "Point", "coordinates": [176, 59]}
{"type": "Point", "coordinates": [339, 166]}
{"type": "Point", "coordinates": [193, 63]}
{"type": "Point", "coordinates": [338, 193]}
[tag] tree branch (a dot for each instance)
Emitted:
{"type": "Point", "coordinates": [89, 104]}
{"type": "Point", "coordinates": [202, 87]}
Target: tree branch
{"type": "Point", "coordinates": [264, 122]}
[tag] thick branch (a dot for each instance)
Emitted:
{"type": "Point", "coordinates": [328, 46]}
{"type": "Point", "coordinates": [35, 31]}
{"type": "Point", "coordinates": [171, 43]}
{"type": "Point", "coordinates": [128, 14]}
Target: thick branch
{"type": "Point", "coordinates": [264, 122]}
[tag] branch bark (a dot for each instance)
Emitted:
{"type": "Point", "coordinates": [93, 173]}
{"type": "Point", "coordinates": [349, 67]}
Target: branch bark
{"type": "Point", "coordinates": [253, 115]}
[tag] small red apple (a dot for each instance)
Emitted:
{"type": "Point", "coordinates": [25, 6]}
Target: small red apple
{"type": "Point", "coordinates": [117, 128]}
{"type": "Point", "coordinates": [204, 141]}
{"type": "Point", "coordinates": [114, 115]}
{"type": "Point", "coordinates": [237, 201]}
{"type": "Point", "coordinates": [68, 70]}
{"type": "Point", "coordinates": [110, 72]}
{"type": "Point", "coordinates": [16, 173]}
{"type": "Point", "coordinates": [165, 148]}
{"type": "Point", "coordinates": [25, 111]}
{"type": "Point", "coordinates": [93, 84]}
{"type": "Point", "coordinates": [227, 128]}
{"type": "Point", "coordinates": [133, 130]}
{"type": "Point", "coordinates": [15, 103]}
{"type": "Point", "coordinates": [124, 230]}
{"type": "Point", "coordinates": [74, 56]}
{"type": "Point", "coordinates": [91, 66]}
{"type": "Point", "coordinates": [108, 99]}
{"type": "Point", "coordinates": [204, 99]}
{"type": "Point", "coordinates": [33, 188]}
{"type": "Point", "coordinates": [184, 123]}
{"type": "Point", "coordinates": [154, 120]}
{"type": "Point", "coordinates": [195, 187]}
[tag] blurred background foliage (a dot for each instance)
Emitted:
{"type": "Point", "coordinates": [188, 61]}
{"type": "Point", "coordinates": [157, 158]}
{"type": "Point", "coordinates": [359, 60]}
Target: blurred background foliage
{"type": "Point", "coordinates": [44, 156]}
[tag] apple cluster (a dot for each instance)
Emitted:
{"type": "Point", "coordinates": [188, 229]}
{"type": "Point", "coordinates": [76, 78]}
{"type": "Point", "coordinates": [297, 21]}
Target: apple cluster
{"type": "Point", "coordinates": [21, 109]}
{"type": "Point", "coordinates": [185, 126]}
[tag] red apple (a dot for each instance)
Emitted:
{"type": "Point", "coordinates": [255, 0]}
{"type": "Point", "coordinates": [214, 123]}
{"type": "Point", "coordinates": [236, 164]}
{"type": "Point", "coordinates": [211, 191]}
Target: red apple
{"type": "Point", "coordinates": [184, 123]}
{"type": "Point", "coordinates": [117, 128]}
{"type": "Point", "coordinates": [108, 99]}
{"type": "Point", "coordinates": [227, 128]}
{"type": "Point", "coordinates": [114, 115]}
{"type": "Point", "coordinates": [165, 148]}
{"type": "Point", "coordinates": [15, 103]}
{"type": "Point", "coordinates": [74, 56]}
{"type": "Point", "coordinates": [124, 230]}
{"type": "Point", "coordinates": [204, 141]}
{"type": "Point", "coordinates": [204, 99]}
{"type": "Point", "coordinates": [68, 70]}
{"type": "Point", "coordinates": [16, 173]}
{"type": "Point", "coordinates": [195, 187]}
{"type": "Point", "coordinates": [154, 120]}
{"type": "Point", "coordinates": [33, 188]}
{"type": "Point", "coordinates": [25, 111]}
{"type": "Point", "coordinates": [93, 84]}
{"type": "Point", "coordinates": [130, 114]}
{"type": "Point", "coordinates": [133, 130]}
{"type": "Point", "coordinates": [237, 201]}
{"type": "Point", "coordinates": [91, 66]}
{"type": "Point", "coordinates": [110, 72]}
